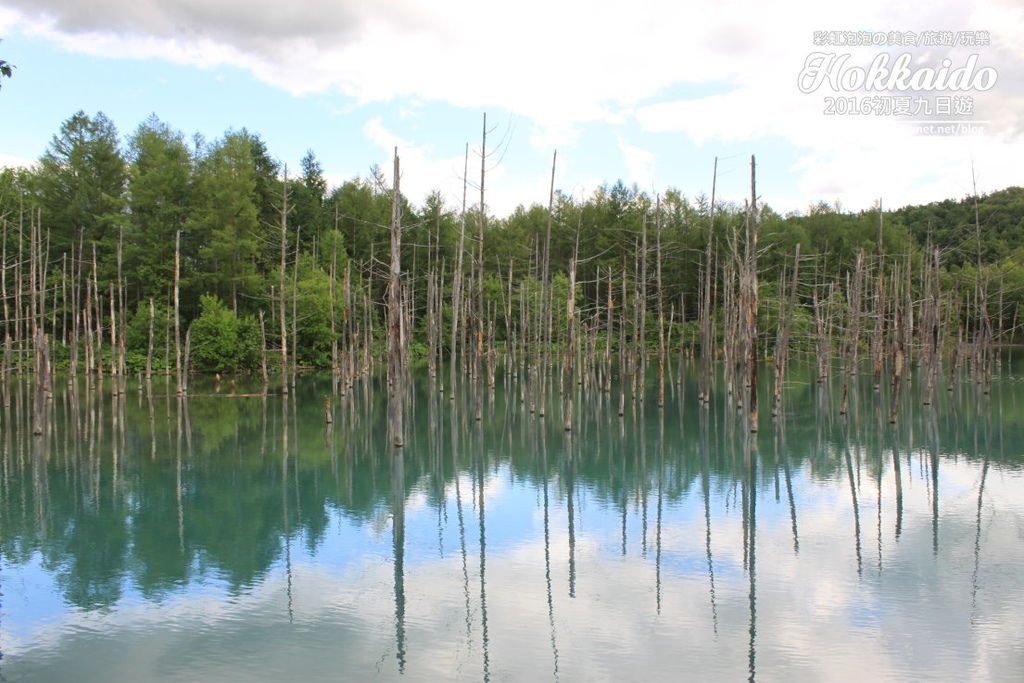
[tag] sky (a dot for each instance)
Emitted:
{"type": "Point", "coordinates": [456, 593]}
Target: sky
{"type": "Point", "coordinates": [650, 94]}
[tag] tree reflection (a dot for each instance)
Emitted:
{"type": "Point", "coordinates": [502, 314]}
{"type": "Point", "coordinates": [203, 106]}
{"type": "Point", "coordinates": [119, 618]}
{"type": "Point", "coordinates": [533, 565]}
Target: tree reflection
{"type": "Point", "coordinates": [121, 495]}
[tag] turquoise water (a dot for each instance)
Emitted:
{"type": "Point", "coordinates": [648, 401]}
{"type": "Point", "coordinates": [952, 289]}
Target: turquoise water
{"type": "Point", "coordinates": [244, 539]}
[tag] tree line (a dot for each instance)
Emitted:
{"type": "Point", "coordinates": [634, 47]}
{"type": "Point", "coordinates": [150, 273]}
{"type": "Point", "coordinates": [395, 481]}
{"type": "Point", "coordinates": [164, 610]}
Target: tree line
{"type": "Point", "coordinates": [271, 266]}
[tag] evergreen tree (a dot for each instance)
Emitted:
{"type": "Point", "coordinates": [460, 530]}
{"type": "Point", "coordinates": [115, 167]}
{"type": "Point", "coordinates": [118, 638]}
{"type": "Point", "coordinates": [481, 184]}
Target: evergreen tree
{"type": "Point", "coordinates": [223, 229]}
{"type": "Point", "coordinates": [159, 195]}
{"type": "Point", "coordinates": [308, 194]}
{"type": "Point", "coordinates": [82, 179]}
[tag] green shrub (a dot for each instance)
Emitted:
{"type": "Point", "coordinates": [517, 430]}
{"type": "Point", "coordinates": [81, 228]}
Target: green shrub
{"type": "Point", "coordinates": [222, 341]}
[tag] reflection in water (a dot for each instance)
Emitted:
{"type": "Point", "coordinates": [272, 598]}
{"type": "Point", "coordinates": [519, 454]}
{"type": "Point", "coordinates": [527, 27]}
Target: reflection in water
{"type": "Point", "coordinates": [706, 490]}
{"type": "Point", "coordinates": [478, 462]}
{"type": "Point", "coordinates": [547, 552]}
{"type": "Point", "coordinates": [661, 491]}
{"type": "Point", "coordinates": [932, 428]}
{"type": "Point", "coordinates": [853, 497]}
{"type": "Point", "coordinates": [246, 538]}
{"type": "Point", "coordinates": [780, 447]}
{"type": "Point", "coordinates": [569, 468]}
{"type": "Point", "coordinates": [987, 432]}
{"type": "Point", "coordinates": [750, 460]}
{"type": "Point", "coordinates": [398, 544]}
{"type": "Point", "coordinates": [899, 487]}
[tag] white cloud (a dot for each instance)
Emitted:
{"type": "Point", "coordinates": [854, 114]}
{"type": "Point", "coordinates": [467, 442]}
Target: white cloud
{"type": "Point", "coordinates": [422, 170]}
{"type": "Point", "coordinates": [559, 66]}
{"type": "Point", "coordinates": [639, 165]}
{"type": "Point", "coordinates": [856, 157]}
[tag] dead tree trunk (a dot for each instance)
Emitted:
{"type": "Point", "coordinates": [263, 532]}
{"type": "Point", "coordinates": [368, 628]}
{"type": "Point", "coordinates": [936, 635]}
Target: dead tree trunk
{"type": "Point", "coordinates": [661, 306]}
{"type": "Point", "coordinates": [457, 283]}
{"type": "Point", "coordinates": [878, 333]}
{"type": "Point", "coordinates": [333, 296]}
{"type": "Point", "coordinates": [898, 350]}
{"type": "Point", "coordinates": [282, 280]}
{"type": "Point", "coordinates": [179, 375]}
{"type": "Point", "coordinates": [782, 340]}
{"type": "Point", "coordinates": [545, 283]}
{"type": "Point", "coordinates": [853, 333]}
{"type": "Point", "coordinates": [149, 342]}
{"type": "Point", "coordinates": [706, 339]}
{"type": "Point", "coordinates": [569, 369]}
{"type": "Point", "coordinates": [263, 353]}
{"type": "Point", "coordinates": [480, 313]}
{"type": "Point", "coordinates": [396, 341]}
{"type": "Point", "coordinates": [751, 298]}
{"type": "Point", "coordinates": [930, 325]}
{"type": "Point", "coordinates": [295, 308]}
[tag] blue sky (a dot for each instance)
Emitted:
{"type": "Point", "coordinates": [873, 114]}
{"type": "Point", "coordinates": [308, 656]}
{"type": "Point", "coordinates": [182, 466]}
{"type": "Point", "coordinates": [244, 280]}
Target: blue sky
{"type": "Point", "coordinates": [650, 95]}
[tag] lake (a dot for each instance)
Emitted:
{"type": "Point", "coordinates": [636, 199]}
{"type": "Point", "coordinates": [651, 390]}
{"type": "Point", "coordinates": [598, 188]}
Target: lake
{"type": "Point", "coordinates": [144, 538]}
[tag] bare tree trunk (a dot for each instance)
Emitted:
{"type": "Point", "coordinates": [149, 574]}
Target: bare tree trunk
{"type": "Point", "coordinates": [537, 321]}
{"type": "Point", "coordinates": [32, 324]}
{"type": "Point", "coordinates": [113, 340]}
{"type": "Point", "coordinates": [283, 326]}
{"type": "Point", "coordinates": [853, 333]}
{"type": "Point", "coordinates": [149, 342]}
{"type": "Point", "coordinates": [823, 339]}
{"type": "Point", "coordinates": [76, 269]}
{"type": "Point", "coordinates": [167, 342]}
{"type": "Point", "coordinates": [983, 330]}
{"type": "Point", "coordinates": [263, 353]}
{"type": "Point", "coordinates": [86, 314]}
{"type": "Point", "coordinates": [729, 336]}
{"type": "Point", "coordinates": [569, 369]}
{"type": "Point", "coordinates": [177, 315]}
{"type": "Point", "coordinates": [510, 332]}
{"type": "Point", "coordinates": [641, 367]}
{"type": "Point", "coordinates": [457, 283]}
{"type": "Point", "coordinates": [333, 295]}
{"type": "Point", "coordinates": [64, 300]}
{"type": "Point", "coordinates": [396, 341]}
{"type": "Point", "coordinates": [18, 286]}
{"type": "Point", "coordinates": [98, 317]}
{"type": "Point", "coordinates": [545, 283]}
{"type": "Point", "coordinates": [954, 362]}
{"type": "Point", "coordinates": [752, 297]}
{"type": "Point", "coordinates": [782, 340]}
{"type": "Point", "coordinates": [121, 360]}
{"type": "Point", "coordinates": [898, 351]}
{"type": "Point", "coordinates": [186, 362]}
{"type": "Point", "coordinates": [931, 326]}
{"type": "Point", "coordinates": [295, 309]}
{"type": "Point", "coordinates": [5, 366]}
{"type": "Point", "coordinates": [706, 349]}
{"type": "Point", "coordinates": [661, 307]}
{"type": "Point", "coordinates": [479, 316]}
{"type": "Point", "coordinates": [431, 325]}
{"type": "Point", "coordinates": [878, 338]}
{"type": "Point", "coordinates": [350, 342]}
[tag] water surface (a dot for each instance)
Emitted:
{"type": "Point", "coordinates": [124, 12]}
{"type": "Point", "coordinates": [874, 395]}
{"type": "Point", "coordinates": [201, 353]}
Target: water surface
{"type": "Point", "coordinates": [143, 538]}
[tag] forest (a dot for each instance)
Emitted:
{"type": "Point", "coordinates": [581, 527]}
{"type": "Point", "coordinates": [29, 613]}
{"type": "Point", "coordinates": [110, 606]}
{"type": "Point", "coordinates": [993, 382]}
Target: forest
{"type": "Point", "coordinates": [106, 239]}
